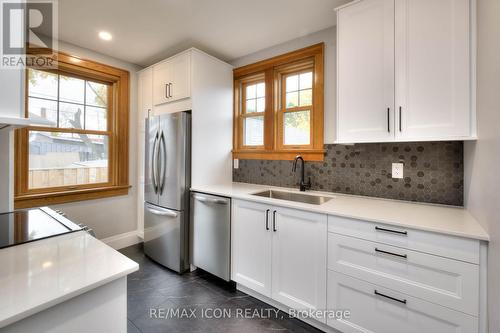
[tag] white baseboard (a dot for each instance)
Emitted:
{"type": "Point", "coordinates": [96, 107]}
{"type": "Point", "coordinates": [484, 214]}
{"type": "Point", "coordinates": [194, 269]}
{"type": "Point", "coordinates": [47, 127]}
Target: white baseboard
{"type": "Point", "coordinates": [123, 240]}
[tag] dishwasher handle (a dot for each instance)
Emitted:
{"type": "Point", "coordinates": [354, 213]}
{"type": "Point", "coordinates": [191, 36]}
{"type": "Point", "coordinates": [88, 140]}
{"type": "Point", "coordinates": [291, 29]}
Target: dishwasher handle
{"type": "Point", "coordinates": [210, 200]}
{"type": "Point", "coordinates": [161, 211]}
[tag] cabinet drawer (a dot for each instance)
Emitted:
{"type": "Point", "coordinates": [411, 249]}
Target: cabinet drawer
{"type": "Point", "coordinates": [447, 282]}
{"type": "Point", "coordinates": [381, 310]}
{"type": "Point", "coordinates": [429, 242]}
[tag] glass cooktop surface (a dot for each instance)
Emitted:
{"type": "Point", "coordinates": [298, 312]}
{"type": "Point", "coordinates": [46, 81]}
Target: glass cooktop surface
{"type": "Point", "coordinates": [28, 225]}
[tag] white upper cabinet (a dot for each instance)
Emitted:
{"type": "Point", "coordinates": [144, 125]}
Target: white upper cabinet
{"type": "Point", "coordinates": [433, 67]}
{"type": "Point", "coordinates": [172, 79]}
{"type": "Point", "coordinates": [405, 71]}
{"type": "Point", "coordinates": [366, 71]}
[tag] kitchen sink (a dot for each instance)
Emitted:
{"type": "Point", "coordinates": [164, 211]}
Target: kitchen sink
{"type": "Point", "coordinates": [292, 196]}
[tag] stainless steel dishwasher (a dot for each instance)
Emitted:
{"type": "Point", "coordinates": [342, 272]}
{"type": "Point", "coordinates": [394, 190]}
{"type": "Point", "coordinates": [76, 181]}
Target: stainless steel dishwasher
{"type": "Point", "coordinates": [211, 234]}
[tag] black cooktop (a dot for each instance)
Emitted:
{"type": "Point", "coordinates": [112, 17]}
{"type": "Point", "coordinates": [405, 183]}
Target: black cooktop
{"type": "Point", "coordinates": [28, 225]}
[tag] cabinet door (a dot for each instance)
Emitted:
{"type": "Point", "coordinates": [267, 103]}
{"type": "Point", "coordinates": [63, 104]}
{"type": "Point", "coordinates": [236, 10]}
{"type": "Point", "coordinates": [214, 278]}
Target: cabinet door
{"type": "Point", "coordinates": [251, 246]}
{"type": "Point", "coordinates": [161, 79]}
{"type": "Point", "coordinates": [145, 92]}
{"type": "Point", "coordinates": [433, 69]}
{"type": "Point", "coordinates": [180, 84]}
{"type": "Point", "coordinates": [365, 33]}
{"type": "Point", "coordinates": [299, 259]}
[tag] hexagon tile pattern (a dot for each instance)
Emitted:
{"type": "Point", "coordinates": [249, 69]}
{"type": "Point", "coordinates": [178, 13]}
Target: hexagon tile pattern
{"type": "Point", "coordinates": [433, 171]}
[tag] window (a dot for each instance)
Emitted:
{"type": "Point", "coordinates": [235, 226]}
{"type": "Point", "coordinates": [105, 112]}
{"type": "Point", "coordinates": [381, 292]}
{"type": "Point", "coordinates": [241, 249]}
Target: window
{"type": "Point", "coordinates": [254, 106]}
{"type": "Point", "coordinates": [289, 119]}
{"type": "Point", "coordinates": [80, 157]}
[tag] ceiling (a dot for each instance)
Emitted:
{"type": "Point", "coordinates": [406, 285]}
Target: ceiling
{"type": "Point", "coordinates": [146, 31]}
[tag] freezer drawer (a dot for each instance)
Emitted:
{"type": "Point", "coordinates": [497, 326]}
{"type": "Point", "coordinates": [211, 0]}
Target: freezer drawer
{"type": "Point", "coordinates": [211, 234]}
{"type": "Point", "coordinates": [166, 237]}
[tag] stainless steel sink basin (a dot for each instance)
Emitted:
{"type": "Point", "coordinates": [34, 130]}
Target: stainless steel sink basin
{"type": "Point", "coordinates": [292, 196]}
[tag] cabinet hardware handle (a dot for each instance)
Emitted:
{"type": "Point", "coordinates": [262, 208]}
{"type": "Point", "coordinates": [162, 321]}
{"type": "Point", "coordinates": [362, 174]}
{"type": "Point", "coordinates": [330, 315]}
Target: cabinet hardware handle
{"type": "Point", "coordinates": [400, 127]}
{"type": "Point", "coordinates": [267, 219]}
{"type": "Point", "coordinates": [166, 90]}
{"type": "Point", "coordinates": [391, 231]}
{"type": "Point", "coordinates": [389, 297]}
{"type": "Point", "coordinates": [389, 120]}
{"type": "Point", "coordinates": [170, 90]}
{"type": "Point", "coordinates": [391, 253]}
{"type": "Point", "coordinates": [274, 221]}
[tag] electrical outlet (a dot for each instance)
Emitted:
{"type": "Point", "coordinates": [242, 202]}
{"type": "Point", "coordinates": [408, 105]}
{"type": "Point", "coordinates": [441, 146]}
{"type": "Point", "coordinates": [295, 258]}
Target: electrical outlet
{"type": "Point", "coordinates": [236, 163]}
{"type": "Point", "coordinates": [397, 170]}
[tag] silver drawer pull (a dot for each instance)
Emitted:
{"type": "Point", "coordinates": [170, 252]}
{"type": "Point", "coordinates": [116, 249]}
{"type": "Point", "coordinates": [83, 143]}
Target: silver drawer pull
{"type": "Point", "coordinates": [392, 254]}
{"type": "Point", "coordinates": [404, 233]}
{"type": "Point", "coordinates": [389, 297]}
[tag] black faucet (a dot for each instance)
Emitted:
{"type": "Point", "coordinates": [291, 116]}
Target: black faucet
{"type": "Point", "coordinates": [303, 185]}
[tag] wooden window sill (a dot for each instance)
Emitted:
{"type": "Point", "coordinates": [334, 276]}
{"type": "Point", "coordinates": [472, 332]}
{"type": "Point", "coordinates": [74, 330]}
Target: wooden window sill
{"type": "Point", "coordinates": [46, 199]}
{"type": "Point", "coordinates": [285, 155]}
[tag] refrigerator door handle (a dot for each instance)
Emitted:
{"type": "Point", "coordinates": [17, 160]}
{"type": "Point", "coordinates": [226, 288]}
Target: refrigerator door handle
{"type": "Point", "coordinates": [208, 200]}
{"type": "Point", "coordinates": [161, 211]}
{"type": "Point", "coordinates": [154, 162]}
{"type": "Point", "coordinates": [163, 162]}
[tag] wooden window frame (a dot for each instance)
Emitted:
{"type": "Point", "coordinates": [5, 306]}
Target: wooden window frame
{"type": "Point", "coordinates": [117, 132]}
{"type": "Point", "coordinates": [273, 71]}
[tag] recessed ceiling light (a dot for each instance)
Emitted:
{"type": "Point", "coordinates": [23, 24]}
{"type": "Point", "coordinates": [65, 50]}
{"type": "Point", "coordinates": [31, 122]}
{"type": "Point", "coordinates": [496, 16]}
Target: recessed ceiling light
{"type": "Point", "coordinates": [104, 35]}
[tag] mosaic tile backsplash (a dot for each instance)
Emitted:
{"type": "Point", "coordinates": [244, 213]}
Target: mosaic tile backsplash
{"type": "Point", "coordinates": [433, 171]}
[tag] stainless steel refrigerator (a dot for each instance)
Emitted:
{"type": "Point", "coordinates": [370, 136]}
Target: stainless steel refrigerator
{"type": "Point", "coordinates": [166, 191]}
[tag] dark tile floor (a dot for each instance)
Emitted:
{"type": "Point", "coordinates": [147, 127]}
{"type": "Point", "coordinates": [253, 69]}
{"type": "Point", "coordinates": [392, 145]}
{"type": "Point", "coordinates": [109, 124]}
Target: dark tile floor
{"type": "Point", "coordinates": [196, 302]}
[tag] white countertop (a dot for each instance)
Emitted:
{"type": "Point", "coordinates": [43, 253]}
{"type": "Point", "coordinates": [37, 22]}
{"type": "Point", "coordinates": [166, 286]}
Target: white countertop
{"type": "Point", "coordinates": [448, 220]}
{"type": "Point", "coordinates": [37, 275]}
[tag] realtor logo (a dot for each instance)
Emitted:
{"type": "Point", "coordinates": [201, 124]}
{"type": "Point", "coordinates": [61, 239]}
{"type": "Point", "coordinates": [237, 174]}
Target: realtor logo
{"type": "Point", "coordinates": [29, 33]}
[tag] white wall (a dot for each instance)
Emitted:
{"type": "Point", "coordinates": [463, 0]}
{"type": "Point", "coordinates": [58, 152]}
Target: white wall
{"type": "Point", "coordinates": [329, 37]}
{"type": "Point", "coordinates": [116, 215]}
{"type": "Point", "coordinates": [481, 158]}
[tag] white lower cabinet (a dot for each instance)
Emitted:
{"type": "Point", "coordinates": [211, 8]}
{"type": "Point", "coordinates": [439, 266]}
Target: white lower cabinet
{"type": "Point", "coordinates": [299, 259]}
{"type": "Point", "coordinates": [280, 253]}
{"type": "Point", "coordinates": [251, 246]}
{"type": "Point", "coordinates": [448, 282]}
{"type": "Point", "coordinates": [394, 279]}
{"type": "Point", "coordinates": [381, 310]}
{"type": "Point", "coordinates": [391, 280]}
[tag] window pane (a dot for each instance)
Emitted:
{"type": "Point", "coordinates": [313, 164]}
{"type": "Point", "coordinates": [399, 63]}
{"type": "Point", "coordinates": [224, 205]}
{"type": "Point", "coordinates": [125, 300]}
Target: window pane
{"type": "Point", "coordinates": [251, 91]}
{"type": "Point", "coordinates": [305, 97]}
{"type": "Point", "coordinates": [251, 106]}
{"type": "Point", "coordinates": [297, 128]}
{"type": "Point", "coordinates": [253, 131]}
{"type": "Point", "coordinates": [306, 80]}
{"type": "Point", "coordinates": [261, 90]}
{"type": "Point", "coordinates": [42, 108]}
{"type": "Point", "coordinates": [261, 104]}
{"type": "Point", "coordinates": [71, 89]}
{"type": "Point", "coordinates": [96, 94]}
{"type": "Point", "coordinates": [292, 99]}
{"type": "Point", "coordinates": [61, 159]}
{"type": "Point", "coordinates": [292, 83]}
{"type": "Point", "coordinates": [70, 115]}
{"type": "Point", "coordinates": [42, 84]}
{"type": "Point", "coordinates": [95, 118]}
